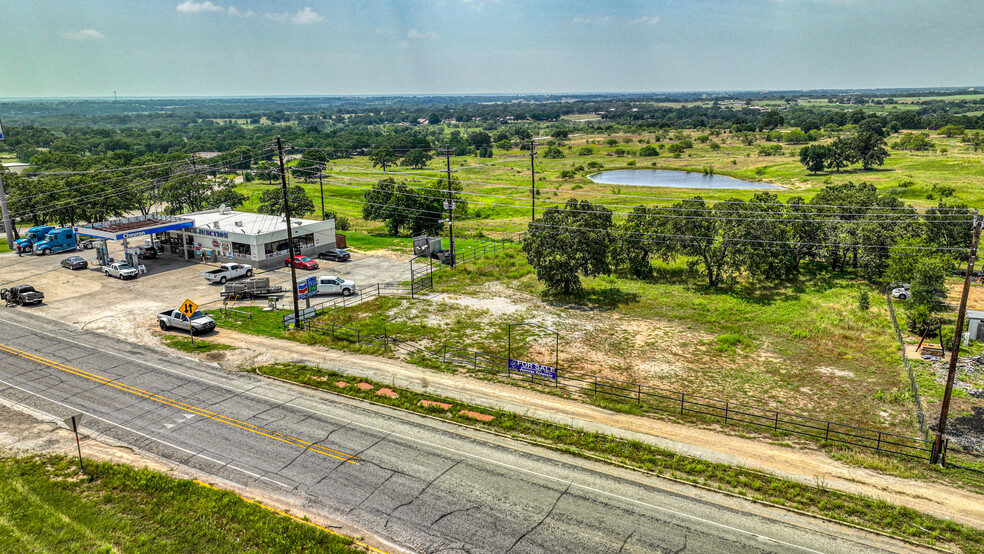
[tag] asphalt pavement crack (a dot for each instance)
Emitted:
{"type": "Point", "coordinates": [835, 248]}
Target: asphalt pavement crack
{"type": "Point", "coordinates": [539, 523]}
{"type": "Point", "coordinates": [357, 455]}
{"type": "Point", "coordinates": [302, 452]}
{"type": "Point", "coordinates": [626, 541]}
{"type": "Point", "coordinates": [414, 499]}
{"type": "Point", "coordinates": [461, 510]}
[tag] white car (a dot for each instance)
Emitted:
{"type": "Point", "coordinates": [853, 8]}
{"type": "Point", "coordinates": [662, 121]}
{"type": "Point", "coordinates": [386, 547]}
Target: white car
{"type": "Point", "coordinates": [329, 284]}
{"type": "Point", "coordinates": [901, 293]}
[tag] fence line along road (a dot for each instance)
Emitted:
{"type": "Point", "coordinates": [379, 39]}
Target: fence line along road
{"type": "Point", "coordinates": [649, 397]}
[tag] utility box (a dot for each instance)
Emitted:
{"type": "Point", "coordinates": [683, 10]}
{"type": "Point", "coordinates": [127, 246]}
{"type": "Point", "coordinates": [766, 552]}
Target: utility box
{"type": "Point", "coordinates": [974, 325]}
{"type": "Point", "coordinates": [427, 245]}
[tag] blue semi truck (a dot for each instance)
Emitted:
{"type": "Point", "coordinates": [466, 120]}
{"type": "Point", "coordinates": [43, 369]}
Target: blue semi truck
{"type": "Point", "coordinates": [33, 236]}
{"type": "Point", "coordinates": [57, 240]}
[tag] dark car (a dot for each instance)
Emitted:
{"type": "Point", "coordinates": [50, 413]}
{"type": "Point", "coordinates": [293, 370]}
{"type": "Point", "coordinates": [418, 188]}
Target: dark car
{"type": "Point", "coordinates": [336, 254]}
{"type": "Point", "coordinates": [75, 262]}
{"type": "Point", "coordinates": [302, 262]}
{"type": "Point", "coordinates": [145, 252]}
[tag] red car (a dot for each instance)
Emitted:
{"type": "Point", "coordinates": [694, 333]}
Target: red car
{"type": "Point", "coordinates": [301, 262]}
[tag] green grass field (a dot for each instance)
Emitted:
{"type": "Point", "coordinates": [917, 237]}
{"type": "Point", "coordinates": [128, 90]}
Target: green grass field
{"type": "Point", "coordinates": [48, 507]}
{"type": "Point", "coordinates": [500, 187]}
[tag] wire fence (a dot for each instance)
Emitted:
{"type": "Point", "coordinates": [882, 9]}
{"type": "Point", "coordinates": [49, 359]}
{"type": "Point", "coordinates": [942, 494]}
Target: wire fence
{"type": "Point", "coordinates": [908, 368]}
{"type": "Point", "coordinates": [652, 398]}
{"type": "Point", "coordinates": [359, 296]}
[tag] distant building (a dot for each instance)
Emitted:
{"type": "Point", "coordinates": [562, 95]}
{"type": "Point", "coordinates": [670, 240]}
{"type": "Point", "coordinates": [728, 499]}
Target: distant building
{"type": "Point", "coordinates": [16, 167]}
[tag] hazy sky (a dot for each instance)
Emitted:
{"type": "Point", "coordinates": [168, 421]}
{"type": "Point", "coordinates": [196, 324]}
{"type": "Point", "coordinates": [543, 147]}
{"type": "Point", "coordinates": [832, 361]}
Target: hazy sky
{"type": "Point", "coordinates": [315, 47]}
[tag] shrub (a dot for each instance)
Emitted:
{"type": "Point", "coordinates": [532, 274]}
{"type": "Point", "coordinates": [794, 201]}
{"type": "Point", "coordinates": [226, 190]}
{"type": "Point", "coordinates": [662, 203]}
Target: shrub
{"type": "Point", "coordinates": [864, 303]}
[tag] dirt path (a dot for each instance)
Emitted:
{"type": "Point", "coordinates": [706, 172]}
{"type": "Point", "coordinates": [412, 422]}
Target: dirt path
{"type": "Point", "coordinates": [805, 466]}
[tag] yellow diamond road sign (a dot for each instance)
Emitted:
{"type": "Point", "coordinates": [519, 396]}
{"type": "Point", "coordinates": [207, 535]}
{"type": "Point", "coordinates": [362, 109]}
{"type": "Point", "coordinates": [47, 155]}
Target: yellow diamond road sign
{"type": "Point", "coordinates": [188, 307]}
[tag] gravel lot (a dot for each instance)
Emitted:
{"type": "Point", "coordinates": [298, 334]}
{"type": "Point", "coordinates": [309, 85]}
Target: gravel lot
{"type": "Point", "coordinates": [91, 300]}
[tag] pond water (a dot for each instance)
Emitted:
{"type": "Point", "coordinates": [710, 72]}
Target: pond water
{"type": "Point", "coordinates": [675, 179]}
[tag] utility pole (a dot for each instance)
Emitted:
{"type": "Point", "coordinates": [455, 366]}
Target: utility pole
{"type": "Point", "coordinates": [8, 225]}
{"type": "Point", "coordinates": [937, 452]}
{"type": "Point", "coordinates": [533, 178]}
{"type": "Point", "coordinates": [322, 187]}
{"type": "Point", "coordinates": [290, 236]}
{"type": "Point", "coordinates": [449, 203]}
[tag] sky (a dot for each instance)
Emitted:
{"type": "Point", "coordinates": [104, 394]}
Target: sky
{"type": "Point", "coordinates": [164, 48]}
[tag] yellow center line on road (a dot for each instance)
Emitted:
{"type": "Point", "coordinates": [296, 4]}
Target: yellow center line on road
{"type": "Point", "coordinates": [181, 405]}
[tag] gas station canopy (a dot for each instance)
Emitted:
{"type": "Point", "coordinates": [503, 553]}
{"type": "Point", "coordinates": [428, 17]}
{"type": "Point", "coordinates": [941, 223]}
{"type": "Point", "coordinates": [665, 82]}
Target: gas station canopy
{"type": "Point", "coordinates": [132, 227]}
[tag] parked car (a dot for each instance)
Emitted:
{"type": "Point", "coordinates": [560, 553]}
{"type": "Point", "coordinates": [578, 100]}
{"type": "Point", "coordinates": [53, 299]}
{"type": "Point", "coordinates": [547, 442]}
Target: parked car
{"type": "Point", "coordinates": [901, 293]}
{"type": "Point", "coordinates": [196, 324]}
{"type": "Point", "coordinates": [20, 295]}
{"type": "Point", "coordinates": [301, 262]}
{"type": "Point", "coordinates": [122, 270]}
{"type": "Point", "coordinates": [335, 254]}
{"type": "Point", "coordinates": [329, 284]}
{"type": "Point", "coordinates": [75, 262]}
{"type": "Point", "coordinates": [228, 272]}
{"type": "Point", "coordinates": [146, 252]}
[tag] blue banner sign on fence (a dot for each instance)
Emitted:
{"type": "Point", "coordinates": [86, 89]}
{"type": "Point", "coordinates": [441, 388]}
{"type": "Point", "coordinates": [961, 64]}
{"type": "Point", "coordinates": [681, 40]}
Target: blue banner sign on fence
{"type": "Point", "coordinates": [531, 368]}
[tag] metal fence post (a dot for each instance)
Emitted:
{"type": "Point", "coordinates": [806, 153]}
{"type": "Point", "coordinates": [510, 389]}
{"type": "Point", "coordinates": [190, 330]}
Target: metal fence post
{"type": "Point", "coordinates": [726, 406]}
{"type": "Point", "coordinates": [776, 428]}
{"type": "Point", "coordinates": [826, 434]}
{"type": "Point", "coordinates": [681, 402]}
{"type": "Point", "coordinates": [639, 396]}
{"type": "Point", "coordinates": [878, 447]}
{"type": "Point", "coordinates": [596, 388]}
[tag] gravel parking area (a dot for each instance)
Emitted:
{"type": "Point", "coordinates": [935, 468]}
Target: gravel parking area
{"type": "Point", "coordinates": [91, 300]}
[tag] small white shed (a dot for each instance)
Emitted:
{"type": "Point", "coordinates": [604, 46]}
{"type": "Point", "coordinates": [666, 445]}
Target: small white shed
{"type": "Point", "coordinates": [975, 329]}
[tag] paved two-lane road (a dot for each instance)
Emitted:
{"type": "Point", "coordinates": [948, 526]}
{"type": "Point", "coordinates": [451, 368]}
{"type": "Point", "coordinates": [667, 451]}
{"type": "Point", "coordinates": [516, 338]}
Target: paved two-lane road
{"type": "Point", "coordinates": [419, 483]}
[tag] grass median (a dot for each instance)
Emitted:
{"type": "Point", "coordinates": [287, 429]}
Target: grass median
{"type": "Point", "coordinates": [819, 500]}
{"type": "Point", "coordinates": [49, 507]}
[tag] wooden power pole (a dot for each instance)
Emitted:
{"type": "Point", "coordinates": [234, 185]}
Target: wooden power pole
{"type": "Point", "coordinates": [937, 452]}
{"type": "Point", "coordinates": [290, 236]}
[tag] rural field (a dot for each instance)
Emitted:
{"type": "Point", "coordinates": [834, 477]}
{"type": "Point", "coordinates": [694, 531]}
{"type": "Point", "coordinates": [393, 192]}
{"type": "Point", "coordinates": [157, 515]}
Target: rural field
{"type": "Point", "coordinates": [801, 346]}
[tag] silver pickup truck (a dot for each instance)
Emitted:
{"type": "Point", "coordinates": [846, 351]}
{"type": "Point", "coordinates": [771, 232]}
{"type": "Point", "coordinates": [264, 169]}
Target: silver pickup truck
{"type": "Point", "coordinates": [122, 270]}
{"type": "Point", "coordinates": [197, 324]}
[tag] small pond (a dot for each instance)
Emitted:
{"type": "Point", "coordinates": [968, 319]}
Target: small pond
{"type": "Point", "coordinates": [674, 179]}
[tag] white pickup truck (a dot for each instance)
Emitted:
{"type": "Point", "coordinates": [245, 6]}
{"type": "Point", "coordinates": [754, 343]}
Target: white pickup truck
{"type": "Point", "coordinates": [196, 324]}
{"type": "Point", "coordinates": [121, 270]}
{"type": "Point", "coordinates": [228, 272]}
{"type": "Point", "coordinates": [329, 284]}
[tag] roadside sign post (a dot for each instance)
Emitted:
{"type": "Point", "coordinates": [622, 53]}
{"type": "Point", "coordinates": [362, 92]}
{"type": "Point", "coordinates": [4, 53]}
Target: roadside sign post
{"type": "Point", "coordinates": [73, 424]}
{"type": "Point", "coordinates": [188, 308]}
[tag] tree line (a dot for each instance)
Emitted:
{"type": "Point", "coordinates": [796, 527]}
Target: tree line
{"type": "Point", "coordinates": [760, 238]}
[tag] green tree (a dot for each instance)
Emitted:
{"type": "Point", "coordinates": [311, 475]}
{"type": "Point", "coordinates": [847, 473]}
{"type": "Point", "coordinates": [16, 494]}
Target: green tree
{"type": "Point", "coordinates": [272, 201]}
{"type": "Point", "coordinates": [948, 226]}
{"type": "Point", "coordinates": [952, 130]}
{"type": "Point", "coordinates": [697, 236]}
{"type": "Point", "coordinates": [403, 209]}
{"type": "Point", "coordinates": [552, 152]}
{"type": "Point", "coordinates": [383, 157]}
{"type": "Point", "coordinates": [815, 157]}
{"type": "Point", "coordinates": [568, 242]}
{"type": "Point", "coordinates": [770, 120]}
{"type": "Point", "coordinates": [928, 290]}
{"type": "Point", "coordinates": [416, 158]}
{"type": "Point", "coordinates": [649, 150]}
{"type": "Point", "coordinates": [869, 149]}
